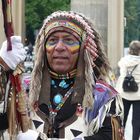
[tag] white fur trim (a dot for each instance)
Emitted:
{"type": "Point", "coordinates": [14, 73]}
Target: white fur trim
{"type": "Point", "coordinates": [34, 116]}
{"type": "Point", "coordinates": [79, 125]}
{"type": "Point", "coordinates": [29, 135]}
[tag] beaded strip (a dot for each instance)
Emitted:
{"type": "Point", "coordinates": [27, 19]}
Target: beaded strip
{"type": "Point", "coordinates": [61, 23]}
{"type": "Point", "coordinates": [53, 113]}
{"type": "Point", "coordinates": [69, 92]}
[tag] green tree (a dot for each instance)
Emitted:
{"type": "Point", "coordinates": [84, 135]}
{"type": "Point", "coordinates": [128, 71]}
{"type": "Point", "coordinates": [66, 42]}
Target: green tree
{"type": "Point", "coordinates": [132, 14]}
{"type": "Point", "coordinates": [37, 10]}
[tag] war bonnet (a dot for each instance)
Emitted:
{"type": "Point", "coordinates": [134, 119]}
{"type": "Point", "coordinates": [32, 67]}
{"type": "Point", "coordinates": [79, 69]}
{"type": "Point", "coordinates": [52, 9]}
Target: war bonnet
{"type": "Point", "coordinates": [80, 27]}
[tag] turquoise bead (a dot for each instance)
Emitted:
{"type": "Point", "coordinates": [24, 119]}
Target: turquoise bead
{"type": "Point", "coordinates": [57, 98]}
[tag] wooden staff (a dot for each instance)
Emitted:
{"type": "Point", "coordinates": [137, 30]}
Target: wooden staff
{"type": "Point", "coordinates": [21, 104]}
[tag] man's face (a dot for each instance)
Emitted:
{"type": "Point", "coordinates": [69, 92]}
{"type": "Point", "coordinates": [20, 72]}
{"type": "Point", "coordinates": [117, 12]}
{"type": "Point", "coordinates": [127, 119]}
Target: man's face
{"type": "Point", "coordinates": [62, 52]}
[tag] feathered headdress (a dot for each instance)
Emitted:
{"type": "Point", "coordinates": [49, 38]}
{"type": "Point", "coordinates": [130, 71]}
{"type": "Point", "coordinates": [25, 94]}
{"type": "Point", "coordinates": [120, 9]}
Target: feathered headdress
{"type": "Point", "coordinates": [80, 26]}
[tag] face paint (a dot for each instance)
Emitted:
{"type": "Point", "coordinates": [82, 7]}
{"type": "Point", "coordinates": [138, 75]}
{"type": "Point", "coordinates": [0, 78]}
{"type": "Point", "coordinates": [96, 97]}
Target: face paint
{"type": "Point", "coordinates": [49, 47]}
{"type": "Point", "coordinates": [74, 48]}
{"type": "Point", "coordinates": [62, 50]}
{"type": "Point", "coordinates": [72, 45]}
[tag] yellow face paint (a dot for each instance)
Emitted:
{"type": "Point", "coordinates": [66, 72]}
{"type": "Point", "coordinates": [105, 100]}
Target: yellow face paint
{"type": "Point", "coordinates": [73, 46]}
{"type": "Point", "coordinates": [49, 47]}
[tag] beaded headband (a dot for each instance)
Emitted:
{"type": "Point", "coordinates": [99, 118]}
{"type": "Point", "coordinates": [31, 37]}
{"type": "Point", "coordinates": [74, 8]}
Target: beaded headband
{"type": "Point", "coordinates": [63, 23]}
{"type": "Point", "coordinates": [73, 18]}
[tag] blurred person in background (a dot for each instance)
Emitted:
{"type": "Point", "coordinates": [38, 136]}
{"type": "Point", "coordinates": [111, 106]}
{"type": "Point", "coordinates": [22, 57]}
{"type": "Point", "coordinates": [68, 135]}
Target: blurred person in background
{"type": "Point", "coordinates": [127, 63]}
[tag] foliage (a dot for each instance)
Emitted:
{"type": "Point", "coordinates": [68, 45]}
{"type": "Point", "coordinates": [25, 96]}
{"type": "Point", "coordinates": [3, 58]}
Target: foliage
{"type": "Point", "coordinates": [37, 10]}
{"type": "Point", "coordinates": [132, 14]}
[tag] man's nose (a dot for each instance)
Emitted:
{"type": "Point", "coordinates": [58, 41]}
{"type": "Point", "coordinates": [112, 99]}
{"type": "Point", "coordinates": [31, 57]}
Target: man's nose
{"type": "Point", "coordinates": [60, 45]}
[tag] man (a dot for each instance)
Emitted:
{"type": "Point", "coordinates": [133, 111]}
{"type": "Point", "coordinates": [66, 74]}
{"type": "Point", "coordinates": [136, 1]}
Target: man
{"type": "Point", "coordinates": [69, 93]}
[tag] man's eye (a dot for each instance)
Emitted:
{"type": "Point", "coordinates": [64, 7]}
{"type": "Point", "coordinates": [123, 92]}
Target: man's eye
{"type": "Point", "coordinates": [69, 41]}
{"type": "Point", "coordinates": [52, 41]}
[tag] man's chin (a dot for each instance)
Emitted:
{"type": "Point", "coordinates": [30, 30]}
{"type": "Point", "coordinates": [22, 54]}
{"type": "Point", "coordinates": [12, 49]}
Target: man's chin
{"type": "Point", "coordinates": [61, 70]}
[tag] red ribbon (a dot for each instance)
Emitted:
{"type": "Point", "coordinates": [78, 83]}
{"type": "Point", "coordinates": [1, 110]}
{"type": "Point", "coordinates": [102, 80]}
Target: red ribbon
{"type": "Point", "coordinates": [15, 81]}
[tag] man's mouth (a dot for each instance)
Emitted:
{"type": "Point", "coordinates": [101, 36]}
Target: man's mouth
{"type": "Point", "coordinates": [60, 57]}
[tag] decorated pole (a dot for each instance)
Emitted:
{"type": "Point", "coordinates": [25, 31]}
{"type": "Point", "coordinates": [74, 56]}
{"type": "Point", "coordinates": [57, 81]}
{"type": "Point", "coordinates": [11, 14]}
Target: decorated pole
{"type": "Point", "coordinates": [18, 115]}
{"type": "Point", "coordinates": [7, 17]}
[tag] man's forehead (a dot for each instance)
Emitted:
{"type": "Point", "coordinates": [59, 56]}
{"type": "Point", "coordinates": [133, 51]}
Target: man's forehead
{"type": "Point", "coordinates": [62, 34]}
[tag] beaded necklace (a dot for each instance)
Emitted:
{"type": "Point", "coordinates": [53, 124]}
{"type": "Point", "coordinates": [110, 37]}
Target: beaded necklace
{"type": "Point", "coordinates": [53, 112]}
{"type": "Point", "coordinates": [69, 92]}
{"type": "Point", "coordinates": [60, 82]}
{"type": "Point", "coordinates": [59, 88]}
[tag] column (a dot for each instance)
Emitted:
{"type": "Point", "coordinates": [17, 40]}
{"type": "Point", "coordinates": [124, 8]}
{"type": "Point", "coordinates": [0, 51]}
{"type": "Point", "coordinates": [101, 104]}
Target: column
{"type": "Point", "coordinates": [107, 16]}
{"type": "Point", "coordinates": [115, 31]}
